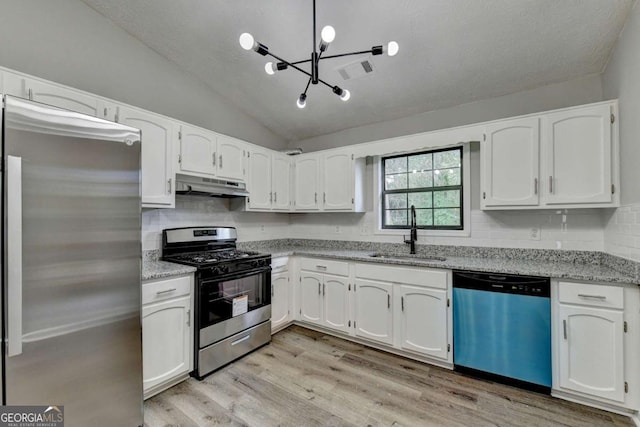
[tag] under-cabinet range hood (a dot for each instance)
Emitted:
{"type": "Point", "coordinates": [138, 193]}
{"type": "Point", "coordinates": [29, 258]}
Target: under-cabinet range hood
{"type": "Point", "coordinates": [211, 187]}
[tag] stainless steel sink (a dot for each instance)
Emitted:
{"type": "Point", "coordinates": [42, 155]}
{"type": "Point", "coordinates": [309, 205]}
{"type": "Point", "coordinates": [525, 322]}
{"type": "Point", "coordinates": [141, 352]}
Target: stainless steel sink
{"type": "Point", "coordinates": [408, 257]}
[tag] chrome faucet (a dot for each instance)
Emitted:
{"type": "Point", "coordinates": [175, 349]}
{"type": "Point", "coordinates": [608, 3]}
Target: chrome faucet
{"type": "Point", "coordinates": [413, 236]}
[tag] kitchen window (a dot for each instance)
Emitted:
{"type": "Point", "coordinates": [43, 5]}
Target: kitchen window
{"type": "Point", "coordinates": [432, 181]}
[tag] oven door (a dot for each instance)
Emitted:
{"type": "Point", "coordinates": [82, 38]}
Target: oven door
{"type": "Point", "coordinates": [232, 303]}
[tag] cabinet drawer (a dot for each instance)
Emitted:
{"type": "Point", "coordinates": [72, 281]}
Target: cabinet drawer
{"type": "Point", "coordinates": [163, 289]}
{"type": "Point", "coordinates": [279, 264]}
{"type": "Point", "coordinates": [413, 276]}
{"type": "Point", "coordinates": [591, 294]}
{"type": "Point", "coordinates": [338, 268]}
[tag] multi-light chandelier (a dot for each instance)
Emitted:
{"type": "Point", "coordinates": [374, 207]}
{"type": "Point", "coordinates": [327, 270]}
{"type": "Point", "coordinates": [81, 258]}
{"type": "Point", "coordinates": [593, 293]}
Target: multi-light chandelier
{"type": "Point", "coordinates": [327, 35]}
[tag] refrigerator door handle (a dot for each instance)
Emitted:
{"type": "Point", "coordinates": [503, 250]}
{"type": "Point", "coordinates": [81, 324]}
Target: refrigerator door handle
{"type": "Point", "coordinates": [14, 255]}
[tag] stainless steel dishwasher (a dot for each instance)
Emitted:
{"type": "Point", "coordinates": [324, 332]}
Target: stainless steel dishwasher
{"type": "Point", "coordinates": [502, 328]}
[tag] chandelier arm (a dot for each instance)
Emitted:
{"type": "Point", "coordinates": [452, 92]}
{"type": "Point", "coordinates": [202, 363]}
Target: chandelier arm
{"type": "Point", "coordinates": [307, 88]}
{"type": "Point", "coordinates": [304, 61]}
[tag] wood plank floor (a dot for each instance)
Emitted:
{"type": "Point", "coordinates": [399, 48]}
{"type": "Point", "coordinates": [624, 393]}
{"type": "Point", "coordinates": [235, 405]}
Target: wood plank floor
{"type": "Point", "coordinates": [306, 378]}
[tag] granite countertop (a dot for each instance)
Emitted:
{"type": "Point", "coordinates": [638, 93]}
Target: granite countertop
{"type": "Point", "coordinates": [559, 264]}
{"type": "Point", "coordinates": [595, 272]}
{"type": "Point", "coordinates": [154, 269]}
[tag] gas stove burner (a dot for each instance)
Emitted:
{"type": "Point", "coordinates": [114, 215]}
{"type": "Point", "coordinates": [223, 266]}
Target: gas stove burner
{"type": "Point", "coordinates": [209, 257]}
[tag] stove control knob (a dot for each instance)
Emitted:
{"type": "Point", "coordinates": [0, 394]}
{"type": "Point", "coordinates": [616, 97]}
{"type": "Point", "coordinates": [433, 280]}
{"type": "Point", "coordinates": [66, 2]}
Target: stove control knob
{"type": "Point", "coordinates": [216, 270]}
{"type": "Point", "coordinates": [255, 264]}
{"type": "Point", "coordinates": [224, 268]}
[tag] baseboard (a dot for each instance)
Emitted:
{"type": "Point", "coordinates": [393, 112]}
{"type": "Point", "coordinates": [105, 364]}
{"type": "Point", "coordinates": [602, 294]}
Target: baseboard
{"type": "Point", "coordinates": [594, 403]}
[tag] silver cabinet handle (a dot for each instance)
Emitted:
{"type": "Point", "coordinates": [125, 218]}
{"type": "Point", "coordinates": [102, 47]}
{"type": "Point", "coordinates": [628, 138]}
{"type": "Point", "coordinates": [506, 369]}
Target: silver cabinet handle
{"type": "Point", "coordinates": [324, 198]}
{"type": "Point", "coordinates": [14, 256]}
{"type": "Point", "coordinates": [105, 112]}
{"type": "Point", "coordinates": [270, 197]}
{"type": "Point", "coordinates": [275, 196]}
{"type": "Point", "coordinates": [319, 293]}
{"type": "Point", "coordinates": [213, 161]}
{"type": "Point", "coordinates": [220, 160]}
{"type": "Point", "coordinates": [564, 328]}
{"type": "Point", "coordinates": [30, 94]}
{"type": "Point", "coordinates": [315, 196]}
{"type": "Point", "coordinates": [321, 267]}
{"type": "Point", "coordinates": [388, 300]}
{"type": "Point", "coordinates": [166, 291]}
{"type": "Point", "coordinates": [535, 186]}
{"type": "Point", "coordinates": [402, 303]}
{"type": "Point", "coordinates": [169, 185]}
{"type": "Point", "coordinates": [241, 340]}
{"type": "Point", "coordinates": [551, 184]}
{"type": "Point", "coordinates": [323, 288]}
{"type": "Point", "coordinates": [280, 267]}
{"type": "Point", "coordinates": [600, 297]}
{"type": "Point", "coordinates": [272, 291]}
{"type": "Point", "coordinates": [189, 317]}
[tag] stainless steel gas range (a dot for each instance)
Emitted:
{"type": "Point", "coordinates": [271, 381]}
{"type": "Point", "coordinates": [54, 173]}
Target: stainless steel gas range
{"type": "Point", "coordinates": [232, 293]}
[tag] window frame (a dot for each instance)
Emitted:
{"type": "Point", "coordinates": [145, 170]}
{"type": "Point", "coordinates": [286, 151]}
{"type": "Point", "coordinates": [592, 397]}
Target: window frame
{"type": "Point", "coordinates": [432, 190]}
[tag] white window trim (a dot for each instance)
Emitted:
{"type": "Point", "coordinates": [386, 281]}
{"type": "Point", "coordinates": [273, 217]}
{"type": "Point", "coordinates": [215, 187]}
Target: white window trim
{"type": "Point", "coordinates": [466, 200]}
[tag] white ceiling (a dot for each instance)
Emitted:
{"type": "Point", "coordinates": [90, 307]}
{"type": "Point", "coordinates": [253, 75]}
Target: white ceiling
{"type": "Point", "coordinates": [451, 51]}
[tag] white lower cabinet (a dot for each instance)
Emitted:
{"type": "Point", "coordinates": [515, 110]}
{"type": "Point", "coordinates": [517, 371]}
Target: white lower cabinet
{"type": "Point", "coordinates": [595, 343]}
{"type": "Point", "coordinates": [167, 333]}
{"type": "Point", "coordinates": [591, 351]}
{"type": "Point", "coordinates": [280, 294]}
{"type": "Point", "coordinates": [324, 293]}
{"type": "Point", "coordinates": [373, 310]}
{"type": "Point", "coordinates": [423, 320]}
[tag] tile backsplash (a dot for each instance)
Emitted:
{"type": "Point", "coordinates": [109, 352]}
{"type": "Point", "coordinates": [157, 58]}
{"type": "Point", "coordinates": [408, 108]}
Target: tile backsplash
{"type": "Point", "coordinates": [622, 232]}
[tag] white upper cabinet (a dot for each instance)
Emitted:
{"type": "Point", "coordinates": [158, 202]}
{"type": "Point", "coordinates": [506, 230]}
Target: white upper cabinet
{"type": "Point", "coordinates": [332, 181]}
{"type": "Point", "coordinates": [560, 159]}
{"type": "Point", "coordinates": [337, 180]}
{"type": "Point", "coordinates": [307, 182]}
{"type": "Point", "coordinates": [158, 177]}
{"type": "Point", "coordinates": [231, 159]}
{"type": "Point", "coordinates": [67, 98]}
{"type": "Point", "coordinates": [510, 163]}
{"type": "Point", "coordinates": [197, 151]}
{"type": "Point", "coordinates": [578, 156]}
{"type": "Point", "coordinates": [259, 185]}
{"type": "Point", "coordinates": [281, 182]}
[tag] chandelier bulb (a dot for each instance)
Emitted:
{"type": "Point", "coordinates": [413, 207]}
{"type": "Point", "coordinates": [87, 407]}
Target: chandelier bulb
{"type": "Point", "coordinates": [346, 95]}
{"type": "Point", "coordinates": [392, 48]}
{"type": "Point", "coordinates": [246, 41]}
{"type": "Point", "coordinates": [328, 34]}
{"type": "Point", "coordinates": [268, 67]}
{"type": "Point", "coordinates": [302, 101]}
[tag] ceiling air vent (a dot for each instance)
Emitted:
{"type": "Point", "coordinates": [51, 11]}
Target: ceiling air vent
{"type": "Point", "coordinates": [356, 69]}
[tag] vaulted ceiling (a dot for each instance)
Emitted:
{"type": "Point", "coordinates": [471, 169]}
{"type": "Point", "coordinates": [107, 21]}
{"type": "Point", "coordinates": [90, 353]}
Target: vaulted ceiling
{"type": "Point", "coordinates": [451, 51]}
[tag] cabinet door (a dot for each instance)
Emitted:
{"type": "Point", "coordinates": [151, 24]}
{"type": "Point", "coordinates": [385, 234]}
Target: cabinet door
{"type": "Point", "coordinates": [157, 156]}
{"type": "Point", "coordinates": [374, 311]}
{"type": "Point", "coordinates": [307, 183]}
{"type": "Point", "coordinates": [67, 98]}
{"type": "Point", "coordinates": [197, 151]}
{"type": "Point", "coordinates": [336, 302]}
{"type": "Point", "coordinates": [279, 299]}
{"type": "Point", "coordinates": [337, 181]}
{"type": "Point", "coordinates": [310, 297]}
{"type": "Point", "coordinates": [510, 163]}
{"type": "Point", "coordinates": [166, 328]}
{"type": "Point", "coordinates": [591, 351]}
{"type": "Point", "coordinates": [231, 156]}
{"type": "Point", "coordinates": [281, 182]}
{"type": "Point", "coordinates": [259, 180]}
{"type": "Point", "coordinates": [423, 320]}
{"type": "Point", "coordinates": [578, 156]}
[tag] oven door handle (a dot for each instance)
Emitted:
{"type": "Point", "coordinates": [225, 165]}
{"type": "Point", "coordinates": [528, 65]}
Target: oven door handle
{"type": "Point", "coordinates": [238, 275]}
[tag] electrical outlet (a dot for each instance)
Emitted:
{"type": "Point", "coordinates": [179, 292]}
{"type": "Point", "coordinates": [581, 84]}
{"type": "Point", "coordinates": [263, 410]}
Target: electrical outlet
{"type": "Point", "coordinates": [364, 230]}
{"type": "Point", "coordinates": [535, 233]}
{"type": "Point", "coordinates": [262, 228]}
{"type": "Point", "coordinates": [337, 230]}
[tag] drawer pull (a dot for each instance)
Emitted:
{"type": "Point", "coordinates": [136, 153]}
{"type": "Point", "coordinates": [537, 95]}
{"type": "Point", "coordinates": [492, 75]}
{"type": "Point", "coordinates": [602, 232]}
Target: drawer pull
{"type": "Point", "coordinates": [241, 340]}
{"type": "Point", "coordinates": [564, 328]}
{"type": "Point", "coordinates": [279, 267]}
{"type": "Point", "coordinates": [166, 291]}
{"type": "Point", "coordinates": [321, 267]}
{"type": "Point", "coordinates": [600, 297]}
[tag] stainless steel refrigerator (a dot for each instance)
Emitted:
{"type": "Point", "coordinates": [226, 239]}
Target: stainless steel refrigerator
{"type": "Point", "coordinates": [71, 264]}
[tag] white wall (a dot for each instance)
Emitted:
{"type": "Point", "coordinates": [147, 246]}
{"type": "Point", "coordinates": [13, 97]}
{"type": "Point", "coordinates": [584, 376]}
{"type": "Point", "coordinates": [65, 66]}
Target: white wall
{"type": "Point", "coordinates": [574, 92]}
{"type": "Point", "coordinates": [194, 211]}
{"type": "Point", "coordinates": [68, 42]}
{"type": "Point", "coordinates": [621, 79]}
{"type": "Point", "coordinates": [583, 229]}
